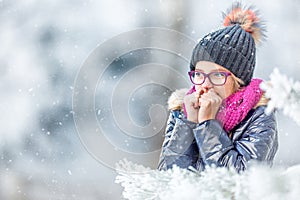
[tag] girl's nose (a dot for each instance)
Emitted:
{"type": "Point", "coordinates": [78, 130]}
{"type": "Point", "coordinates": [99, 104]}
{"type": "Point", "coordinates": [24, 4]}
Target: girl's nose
{"type": "Point", "coordinates": [207, 84]}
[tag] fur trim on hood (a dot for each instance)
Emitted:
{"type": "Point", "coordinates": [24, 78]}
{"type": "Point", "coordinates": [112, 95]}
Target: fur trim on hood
{"type": "Point", "coordinates": [176, 99]}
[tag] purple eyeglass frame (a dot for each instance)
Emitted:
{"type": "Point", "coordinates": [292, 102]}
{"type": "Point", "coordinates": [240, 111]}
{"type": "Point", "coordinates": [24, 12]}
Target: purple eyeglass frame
{"type": "Point", "coordinates": [207, 76]}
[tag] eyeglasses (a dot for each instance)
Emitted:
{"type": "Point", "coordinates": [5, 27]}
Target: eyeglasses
{"type": "Point", "coordinates": [216, 78]}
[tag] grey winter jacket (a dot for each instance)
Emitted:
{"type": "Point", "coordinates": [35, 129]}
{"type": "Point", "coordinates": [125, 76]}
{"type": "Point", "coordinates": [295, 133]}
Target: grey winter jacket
{"type": "Point", "coordinates": [198, 145]}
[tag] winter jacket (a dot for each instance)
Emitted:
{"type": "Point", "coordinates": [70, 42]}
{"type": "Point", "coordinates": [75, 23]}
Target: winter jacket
{"type": "Point", "coordinates": [204, 144]}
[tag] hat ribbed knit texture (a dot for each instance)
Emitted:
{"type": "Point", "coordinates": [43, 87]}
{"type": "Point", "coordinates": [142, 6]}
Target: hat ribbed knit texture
{"type": "Point", "coordinates": [231, 47]}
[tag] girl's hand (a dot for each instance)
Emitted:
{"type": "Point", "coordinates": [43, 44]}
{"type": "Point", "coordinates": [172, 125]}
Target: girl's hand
{"type": "Point", "coordinates": [210, 103]}
{"type": "Point", "coordinates": [191, 102]}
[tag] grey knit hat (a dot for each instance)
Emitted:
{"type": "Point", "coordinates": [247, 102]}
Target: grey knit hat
{"type": "Point", "coordinates": [234, 46]}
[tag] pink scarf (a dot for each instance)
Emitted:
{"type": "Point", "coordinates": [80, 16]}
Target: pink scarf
{"type": "Point", "coordinates": [235, 107]}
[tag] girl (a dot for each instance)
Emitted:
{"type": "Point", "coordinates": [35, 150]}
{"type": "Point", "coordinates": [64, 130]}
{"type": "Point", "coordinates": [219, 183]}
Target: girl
{"type": "Point", "coordinates": [221, 120]}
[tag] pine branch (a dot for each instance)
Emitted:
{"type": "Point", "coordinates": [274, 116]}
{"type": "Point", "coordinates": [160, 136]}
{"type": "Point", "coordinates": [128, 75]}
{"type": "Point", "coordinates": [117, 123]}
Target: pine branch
{"type": "Point", "coordinates": [259, 182]}
{"type": "Point", "coordinates": [284, 94]}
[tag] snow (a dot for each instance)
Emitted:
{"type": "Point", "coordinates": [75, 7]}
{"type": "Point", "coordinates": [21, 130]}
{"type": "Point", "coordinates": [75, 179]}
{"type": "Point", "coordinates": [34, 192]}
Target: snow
{"type": "Point", "coordinates": [259, 182]}
{"type": "Point", "coordinates": [284, 94]}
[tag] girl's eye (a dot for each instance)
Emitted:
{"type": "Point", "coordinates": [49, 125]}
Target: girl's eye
{"type": "Point", "coordinates": [198, 74]}
{"type": "Point", "coordinates": [218, 75]}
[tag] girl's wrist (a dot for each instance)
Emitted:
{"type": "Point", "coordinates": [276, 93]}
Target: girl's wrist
{"type": "Point", "coordinates": [195, 120]}
{"type": "Point", "coordinates": [200, 120]}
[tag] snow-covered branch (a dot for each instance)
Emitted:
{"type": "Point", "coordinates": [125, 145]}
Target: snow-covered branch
{"type": "Point", "coordinates": [284, 94]}
{"type": "Point", "coordinates": [259, 182]}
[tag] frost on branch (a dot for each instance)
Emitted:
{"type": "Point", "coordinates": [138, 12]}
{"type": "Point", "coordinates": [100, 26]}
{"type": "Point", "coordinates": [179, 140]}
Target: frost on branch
{"type": "Point", "coordinates": [284, 94]}
{"type": "Point", "coordinates": [259, 182]}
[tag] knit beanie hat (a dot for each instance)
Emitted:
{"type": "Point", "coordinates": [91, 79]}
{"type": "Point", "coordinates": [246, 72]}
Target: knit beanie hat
{"type": "Point", "coordinates": [233, 47]}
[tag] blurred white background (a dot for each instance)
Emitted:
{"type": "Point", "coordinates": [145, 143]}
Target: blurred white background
{"type": "Point", "coordinates": [43, 45]}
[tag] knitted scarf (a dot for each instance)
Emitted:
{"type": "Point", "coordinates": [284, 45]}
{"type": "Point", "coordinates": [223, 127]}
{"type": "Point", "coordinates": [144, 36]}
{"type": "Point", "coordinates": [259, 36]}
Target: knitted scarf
{"type": "Point", "coordinates": [235, 107]}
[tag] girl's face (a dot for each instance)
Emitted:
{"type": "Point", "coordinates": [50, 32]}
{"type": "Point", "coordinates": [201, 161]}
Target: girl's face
{"type": "Point", "coordinates": [224, 90]}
